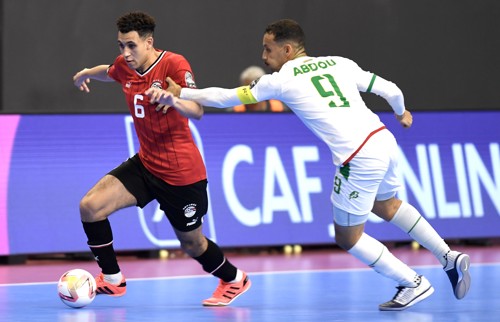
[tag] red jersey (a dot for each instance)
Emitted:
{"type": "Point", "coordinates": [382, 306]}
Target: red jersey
{"type": "Point", "coordinates": [167, 148]}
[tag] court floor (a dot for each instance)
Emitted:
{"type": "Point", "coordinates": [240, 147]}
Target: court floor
{"type": "Point", "coordinates": [312, 286]}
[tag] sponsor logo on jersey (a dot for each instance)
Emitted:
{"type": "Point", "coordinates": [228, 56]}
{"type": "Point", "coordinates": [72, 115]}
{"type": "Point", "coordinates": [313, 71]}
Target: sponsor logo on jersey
{"type": "Point", "coordinates": [189, 210]}
{"type": "Point", "coordinates": [354, 195]}
{"type": "Point", "coordinates": [190, 80]}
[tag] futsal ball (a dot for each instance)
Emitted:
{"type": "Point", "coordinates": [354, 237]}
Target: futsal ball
{"type": "Point", "coordinates": [77, 288]}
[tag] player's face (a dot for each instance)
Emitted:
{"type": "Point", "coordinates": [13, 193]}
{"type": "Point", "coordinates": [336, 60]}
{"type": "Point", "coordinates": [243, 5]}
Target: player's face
{"type": "Point", "coordinates": [135, 50]}
{"type": "Point", "coordinates": [273, 54]}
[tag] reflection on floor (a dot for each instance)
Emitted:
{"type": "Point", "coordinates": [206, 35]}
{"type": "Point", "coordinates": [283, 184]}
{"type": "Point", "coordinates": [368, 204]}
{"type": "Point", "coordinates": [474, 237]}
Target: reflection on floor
{"type": "Point", "coordinates": [316, 285]}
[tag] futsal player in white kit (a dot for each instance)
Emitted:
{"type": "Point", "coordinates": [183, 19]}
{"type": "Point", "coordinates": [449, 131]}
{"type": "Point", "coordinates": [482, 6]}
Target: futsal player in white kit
{"type": "Point", "coordinates": [324, 92]}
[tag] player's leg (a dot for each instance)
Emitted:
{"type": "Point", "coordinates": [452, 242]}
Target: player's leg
{"type": "Point", "coordinates": [207, 253]}
{"type": "Point", "coordinates": [233, 282]}
{"type": "Point", "coordinates": [185, 207]}
{"type": "Point", "coordinates": [355, 188]}
{"type": "Point", "coordinates": [349, 234]}
{"type": "Point", "coordinates": [107, 196]}
{"type": "Point", "coordinates": [408, 219]}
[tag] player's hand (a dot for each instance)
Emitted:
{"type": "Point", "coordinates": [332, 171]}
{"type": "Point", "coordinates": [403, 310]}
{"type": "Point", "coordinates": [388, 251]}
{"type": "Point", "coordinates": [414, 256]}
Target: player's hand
{"type": "Point", "coordinates": [406, 120]}
{"type": "Point", "coordinates": [173, 87]}
{"type": "Point", "coordinates": [81, 80]}
{"type": "Point", "coordinates": [162, 107]}
{"type": "Point", "coordinates": [161, 97]}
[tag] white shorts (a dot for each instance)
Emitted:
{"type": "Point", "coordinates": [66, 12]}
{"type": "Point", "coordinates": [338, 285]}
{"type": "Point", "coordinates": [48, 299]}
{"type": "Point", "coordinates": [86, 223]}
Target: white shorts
{"type": "Point", "coordinates": [370, 175]}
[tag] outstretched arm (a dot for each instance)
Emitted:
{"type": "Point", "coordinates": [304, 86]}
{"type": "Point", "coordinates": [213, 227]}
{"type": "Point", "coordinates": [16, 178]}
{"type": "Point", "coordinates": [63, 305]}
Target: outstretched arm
{"type": "Point", "coordinates": [213, 96]}
{"type": "Point", "coordinates": [83, 77]}
{"type": "Point", "coordinates": [217, 97]}
{"type": "Point", "coordinates": [166, 100]}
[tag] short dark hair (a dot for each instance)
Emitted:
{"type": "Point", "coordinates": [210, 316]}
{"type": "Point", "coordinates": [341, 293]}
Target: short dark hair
{"type": "Point", "coordinates": [141, 22]}
{"type": "Point", "coordinates": [287, 30]}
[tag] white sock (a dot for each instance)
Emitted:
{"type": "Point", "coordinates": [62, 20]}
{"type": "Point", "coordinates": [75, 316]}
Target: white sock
{"type": "Point", "coordinates": [374, 254]}
{"type": "Point", "coordinates": [114, 279]}
{"type": "Point", "coordinates": [408, 219]}
{"type": "Point", "coordinates": [238, 278]}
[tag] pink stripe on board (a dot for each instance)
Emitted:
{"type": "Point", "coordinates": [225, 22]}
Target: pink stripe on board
{"type": "Point", "coordinates": [8, 128]}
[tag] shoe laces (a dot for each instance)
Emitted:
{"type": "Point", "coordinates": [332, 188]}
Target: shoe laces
{"type": "Point", "coordinates": [221, 289]}
{"type": "Point", "coordinates": [404, 293]}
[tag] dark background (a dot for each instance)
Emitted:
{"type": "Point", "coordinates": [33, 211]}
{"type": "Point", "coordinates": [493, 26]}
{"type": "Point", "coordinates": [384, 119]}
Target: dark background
{"type": "Point", "coordinates": [444, 55]}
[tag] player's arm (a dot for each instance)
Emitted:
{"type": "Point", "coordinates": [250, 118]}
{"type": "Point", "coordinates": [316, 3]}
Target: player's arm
{"type": "Point", "coordinates": [83, 77]}
{"type": "Point", "coordinates": [406, 120]}
{"type": "Point", "coordinates": [219, 97]}
{"type": "Point", "coordinates": [371, 83]}
{"type": "Point", "coordinates": [213, 96]}
{"type": "Point", "coordinates": [394, 96]}
{"type": "Point", "coordinates": [166, 99]}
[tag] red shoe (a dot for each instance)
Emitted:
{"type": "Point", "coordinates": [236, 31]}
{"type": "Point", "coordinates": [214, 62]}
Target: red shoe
{"type": "Point", "coordinates": [225, 293]}
{"type": "Point", "coordinates": [107, 288]}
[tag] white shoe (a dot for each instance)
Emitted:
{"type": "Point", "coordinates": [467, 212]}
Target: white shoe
{"type": "Point", "coordinates": [457, 269]}
{"type": "Point", "coordinates": [408, 296]}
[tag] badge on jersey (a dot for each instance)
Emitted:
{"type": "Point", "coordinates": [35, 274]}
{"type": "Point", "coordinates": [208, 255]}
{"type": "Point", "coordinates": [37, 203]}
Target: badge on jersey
{"type": "Point", "coordinates": [189, 80]}
{"type": "Point", "coordinates": [156, 84]}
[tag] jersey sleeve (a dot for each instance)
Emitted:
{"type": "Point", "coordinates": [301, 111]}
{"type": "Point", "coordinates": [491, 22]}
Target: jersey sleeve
{"type": "Point", "coordinates": [114, 70]}
{"type": "Point", "coordinates": [390, 92]}
{"type": "Point", "coordinates": [213, 96]}
{"type": "Point", "coordinates": [364, 79]}
{"type": "Point", "coordinates": [266, 87]}
{"type": "Point", "coordinates": [183, 74]}
{"type": "Point", "coordinates": [371, 83]}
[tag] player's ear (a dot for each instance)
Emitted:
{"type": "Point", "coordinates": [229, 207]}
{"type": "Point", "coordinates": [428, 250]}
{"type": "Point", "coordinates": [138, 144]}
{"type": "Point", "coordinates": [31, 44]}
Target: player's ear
{"type": "Point", "coordinates": [150, 42]}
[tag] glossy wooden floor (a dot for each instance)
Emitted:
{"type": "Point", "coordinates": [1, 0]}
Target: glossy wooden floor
{"type": "Point", "coordinates": [316, 285]}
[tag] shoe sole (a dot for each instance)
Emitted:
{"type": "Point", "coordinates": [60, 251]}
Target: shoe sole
{"type": "Point", "coordinates": [109, 293]}
{"type": "Point", "coordinates": [421, 297]}
{"type": "Point", "coordinates": [463, 284]}
{"type": "Point", "coordinates": [114, 295]}
{"type": "Point", "coordinates": [105, 290]}
{"type": "Point", "coordinates": [249, 283]}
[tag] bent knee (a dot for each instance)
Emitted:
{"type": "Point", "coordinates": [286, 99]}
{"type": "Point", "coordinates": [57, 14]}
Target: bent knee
{"type": "Point", "coordinates": [347, 239]}
{"type": "Point", "coordinates": [348, 228]}
{"type": "Point", "coordinates": [386, 209]}
{"type": "Point", "coordinates": [91, 210]}
{"type": "Point", "coordinates": [193, 249]}
{"type": "Point", "coordinates": [192, 243]}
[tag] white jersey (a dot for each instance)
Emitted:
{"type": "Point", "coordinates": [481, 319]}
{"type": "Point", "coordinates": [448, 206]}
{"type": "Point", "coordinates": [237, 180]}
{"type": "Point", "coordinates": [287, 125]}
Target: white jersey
{"type": "Point", "coordinates": [324, 92]}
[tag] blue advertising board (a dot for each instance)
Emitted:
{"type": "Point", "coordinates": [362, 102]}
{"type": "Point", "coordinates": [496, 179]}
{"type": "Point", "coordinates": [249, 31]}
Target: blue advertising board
{"type": "Point", "coordinates": [269, 177]}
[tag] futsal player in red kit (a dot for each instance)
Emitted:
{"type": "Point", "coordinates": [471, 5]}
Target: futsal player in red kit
{"type": "Point", "coordinates": [168, 167]}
